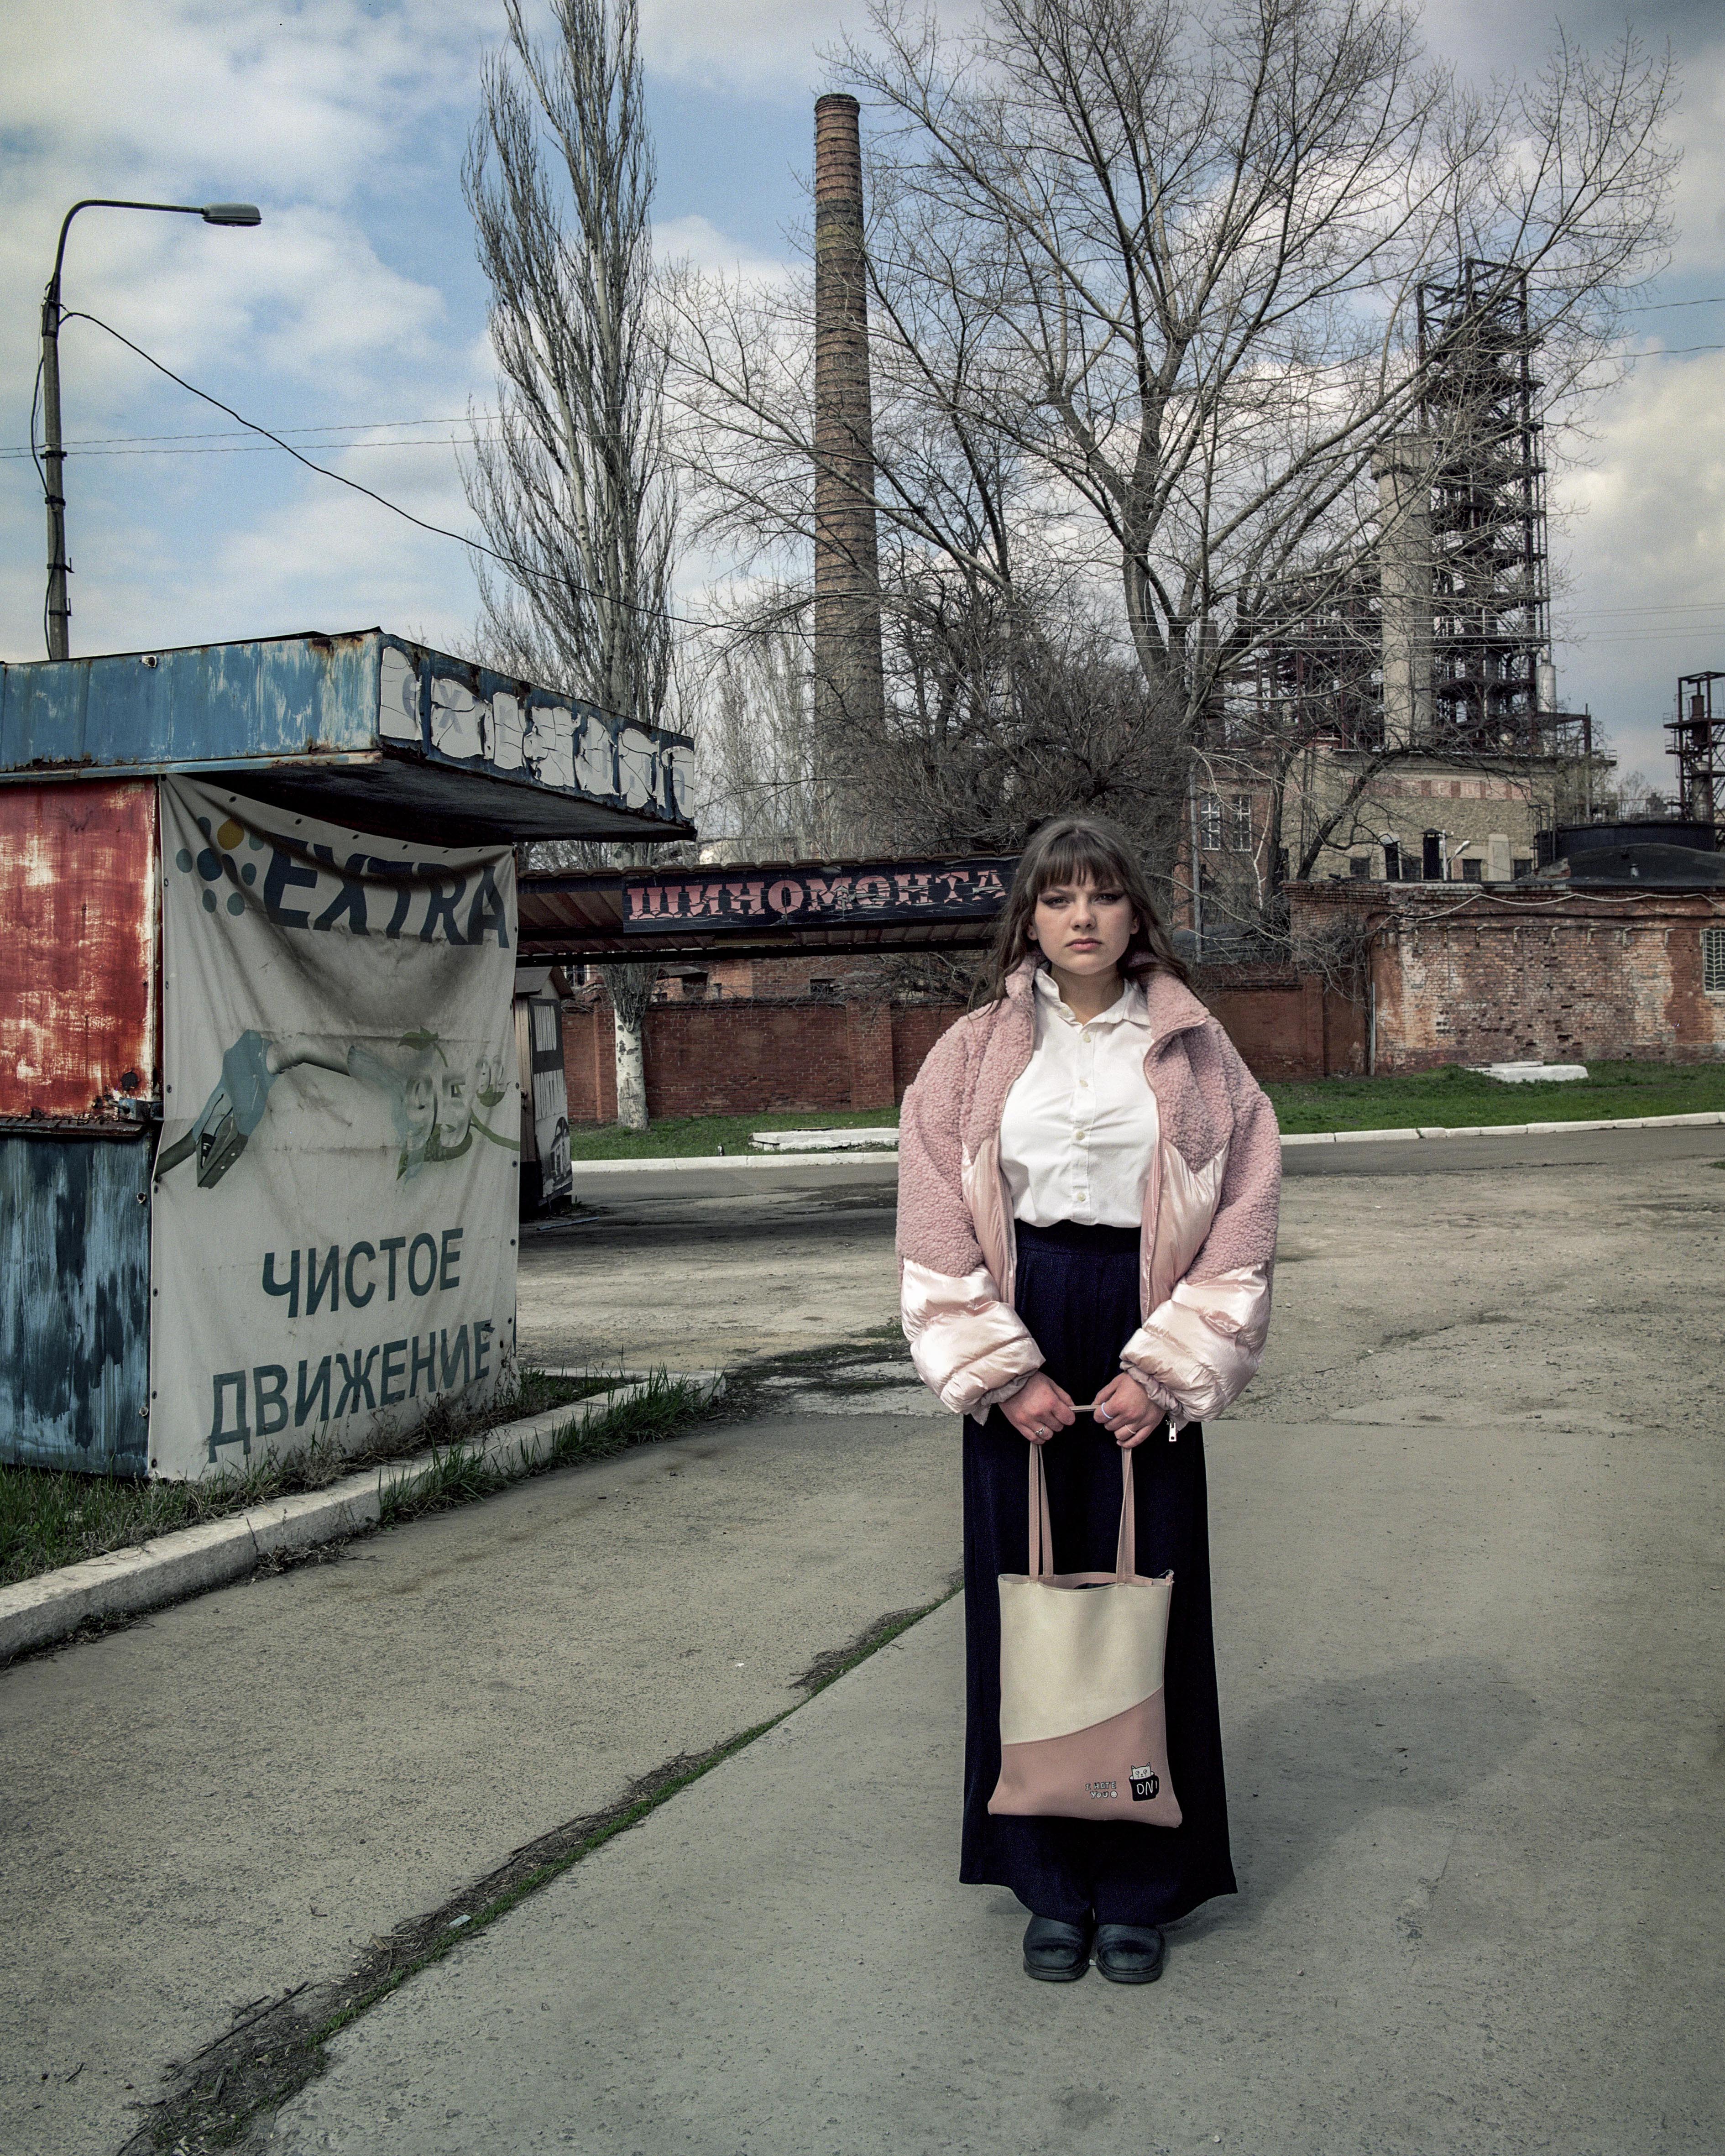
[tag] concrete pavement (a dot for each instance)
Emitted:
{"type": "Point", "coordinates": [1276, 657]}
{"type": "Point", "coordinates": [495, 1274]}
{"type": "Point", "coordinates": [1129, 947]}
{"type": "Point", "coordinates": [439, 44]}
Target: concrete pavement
{"type": "Point", "coordinates": [1471, 1700]}
{"type": "Point", "coordinates": [1478, 1471]}
{"type": "Point", "coordinates": [235, 1796]}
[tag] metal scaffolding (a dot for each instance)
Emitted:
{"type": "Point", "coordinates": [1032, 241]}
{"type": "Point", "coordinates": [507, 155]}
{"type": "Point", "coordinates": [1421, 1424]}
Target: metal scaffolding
{"type": "Point", "coordinates": [1491, 589]}
{"type": "Point", "coordinates": [1352, 654]}
{"type": "Point", "coordinates": [1697, 738]}
{"type": "Point", "coordinates": [1317, 676]}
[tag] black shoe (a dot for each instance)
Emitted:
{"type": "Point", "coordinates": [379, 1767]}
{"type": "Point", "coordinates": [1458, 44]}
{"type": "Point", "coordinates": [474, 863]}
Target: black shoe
{"type": "Point", "coordinates": [1130, 1954]}
{"type": "Point", "coordinates": [1055, 1952]}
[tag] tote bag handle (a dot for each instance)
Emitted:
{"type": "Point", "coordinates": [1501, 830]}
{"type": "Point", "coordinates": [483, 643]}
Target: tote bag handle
{"type": "Point", "coordinates": [1126, 1549]}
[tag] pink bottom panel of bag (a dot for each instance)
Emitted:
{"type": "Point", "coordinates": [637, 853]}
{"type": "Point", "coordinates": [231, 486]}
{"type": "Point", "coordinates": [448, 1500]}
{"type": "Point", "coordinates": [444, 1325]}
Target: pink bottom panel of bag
{"type": "Point", "coordinates": [1115, 1769]}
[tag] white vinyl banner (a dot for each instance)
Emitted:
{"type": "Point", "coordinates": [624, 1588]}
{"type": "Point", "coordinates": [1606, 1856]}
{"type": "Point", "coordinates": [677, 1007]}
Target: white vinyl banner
{"type": "Point", "coordinates": [333, 1241]}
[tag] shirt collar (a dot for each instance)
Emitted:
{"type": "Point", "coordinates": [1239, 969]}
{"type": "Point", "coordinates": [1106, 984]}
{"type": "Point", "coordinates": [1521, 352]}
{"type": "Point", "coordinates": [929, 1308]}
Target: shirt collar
{"type": "Point", "coordinates": [1128, 1008]}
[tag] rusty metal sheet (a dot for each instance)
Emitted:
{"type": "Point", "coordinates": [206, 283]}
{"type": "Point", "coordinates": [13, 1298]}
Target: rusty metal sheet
{"type": "Point", "coordinates": [78, 964]}
{"type": "Point", "coordinates": [74, 1302]}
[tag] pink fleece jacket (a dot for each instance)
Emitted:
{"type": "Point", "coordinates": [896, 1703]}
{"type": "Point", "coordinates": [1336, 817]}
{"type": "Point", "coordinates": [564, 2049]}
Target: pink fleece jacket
{"type": "Point", "coordinates": [1208, 1247]}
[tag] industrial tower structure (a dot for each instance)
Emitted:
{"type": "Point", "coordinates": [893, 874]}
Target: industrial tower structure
{"type": "Point", "coordinates": [1442, 640]}
{"type": "Point", "coordinates": [1697, 738]}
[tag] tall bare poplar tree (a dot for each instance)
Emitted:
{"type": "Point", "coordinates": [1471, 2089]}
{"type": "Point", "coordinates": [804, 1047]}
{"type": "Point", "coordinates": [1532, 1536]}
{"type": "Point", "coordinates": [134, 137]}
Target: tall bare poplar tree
{"type": "Point", "coordinates": [573, 488]}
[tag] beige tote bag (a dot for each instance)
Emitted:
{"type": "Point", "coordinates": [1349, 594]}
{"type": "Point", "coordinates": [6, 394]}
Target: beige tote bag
{"type": "Point", "coordinates": [1083, 1734]}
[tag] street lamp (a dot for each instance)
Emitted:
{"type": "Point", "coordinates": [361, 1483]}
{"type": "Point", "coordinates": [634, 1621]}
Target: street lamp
{"type": "Point", "coordinates": [59, 611]}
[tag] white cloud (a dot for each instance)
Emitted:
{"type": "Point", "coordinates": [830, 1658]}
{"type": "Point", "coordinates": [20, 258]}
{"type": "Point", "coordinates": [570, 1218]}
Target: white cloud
{"type": "Point", "coordinates": [345, 121]}
{"type": "Point", "coordinates": [699, 242]}
{"type": "Point", "coordinates": [1647, 542]}
{"type": "Point", "coordinates": [742, 43]}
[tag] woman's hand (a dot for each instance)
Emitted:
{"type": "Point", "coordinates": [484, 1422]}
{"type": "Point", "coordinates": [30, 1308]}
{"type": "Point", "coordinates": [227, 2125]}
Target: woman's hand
{"type": "Point", "coordinates": [1039, 1409]}
{"type": "Point", "coordinates": [1124, 1408]}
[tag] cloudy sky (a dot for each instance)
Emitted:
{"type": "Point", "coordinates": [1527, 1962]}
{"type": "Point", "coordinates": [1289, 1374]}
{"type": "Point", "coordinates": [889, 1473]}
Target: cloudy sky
{"type": "Point", "coordinates": [355, 315]}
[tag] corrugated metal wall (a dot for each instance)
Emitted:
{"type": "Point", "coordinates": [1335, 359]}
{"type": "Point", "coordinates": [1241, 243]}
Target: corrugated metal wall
{"type": "Point", "coordinates": [74, 1317]}
{"type": "Point", "coordinates": [78, 954]}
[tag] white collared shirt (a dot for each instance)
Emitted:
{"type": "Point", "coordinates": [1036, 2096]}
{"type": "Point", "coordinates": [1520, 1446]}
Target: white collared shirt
{"type": "Point", "coordinates": [1080, 1123]}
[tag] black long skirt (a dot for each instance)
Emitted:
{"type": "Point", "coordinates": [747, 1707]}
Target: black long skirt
{"type": "Point", "coordinates": [1078, 1293]}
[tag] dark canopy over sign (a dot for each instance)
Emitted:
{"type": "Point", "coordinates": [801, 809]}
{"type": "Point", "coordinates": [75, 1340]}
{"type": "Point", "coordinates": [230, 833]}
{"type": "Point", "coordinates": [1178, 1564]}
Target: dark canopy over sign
{"type": "Point", "coordinates": [763, 909]}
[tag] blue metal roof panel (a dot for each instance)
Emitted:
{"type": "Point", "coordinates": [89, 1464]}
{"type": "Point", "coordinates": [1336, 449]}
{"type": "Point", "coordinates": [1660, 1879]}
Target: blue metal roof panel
{"type": "Point", "coordinates": [438, 733]}
{"type": "Point", "coordinates": [213, 703]}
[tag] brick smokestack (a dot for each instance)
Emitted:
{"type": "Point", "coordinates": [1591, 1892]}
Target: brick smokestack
{"type": "Point", "coordinates": [849, 696]}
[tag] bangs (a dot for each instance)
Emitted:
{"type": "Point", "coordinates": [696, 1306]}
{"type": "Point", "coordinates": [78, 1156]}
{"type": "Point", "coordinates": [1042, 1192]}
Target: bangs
{"type": "Point", "coordinates": [1081, 855]}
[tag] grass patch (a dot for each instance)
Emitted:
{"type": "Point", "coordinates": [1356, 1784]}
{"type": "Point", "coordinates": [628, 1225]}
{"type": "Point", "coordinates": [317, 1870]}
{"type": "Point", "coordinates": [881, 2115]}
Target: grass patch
{"type": "Point", "coordinates": [460, 1473]}
{"type": "Point", "coordinates": [677, 1137]}
{"type": "Point", "coordinates": [1451, 1096]}
{"type": "Point", "coordinates": [1456, 1097]}
{"type": "Point", "coordinates": [52, 1516]}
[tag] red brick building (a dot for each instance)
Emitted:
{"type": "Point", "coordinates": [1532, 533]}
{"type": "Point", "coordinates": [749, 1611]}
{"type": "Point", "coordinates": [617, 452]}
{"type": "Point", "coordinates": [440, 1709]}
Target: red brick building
{"type": "Point", "coordinates": [1536, 971]}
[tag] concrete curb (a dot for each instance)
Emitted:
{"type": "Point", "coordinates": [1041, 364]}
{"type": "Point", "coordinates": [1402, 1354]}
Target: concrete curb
{"type": "Point", "coordinates": [1708, 1116]}
{"type": "Point", "coordinates": [722, 1160]}
{"type": "Point", "coordinates": [663, 1164]}
{"type": "Point", "coordinates": [126, 1582]}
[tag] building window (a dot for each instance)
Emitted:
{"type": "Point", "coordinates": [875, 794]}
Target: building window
{"type": "Point", "coordinates": [1522, 866]}
{"type": "Point", "coordinates": [1472, 871]}
{"type": "Point", "coordinates": [1392, 861]}
{"type": "Point", "coordinates": [1712, 960]}
{"type": "Point", "coordinates": [1240, 822]}
{"type": "Point", "coordinates": [1432, 857]}
{"type": "Point", "coordinates": [1359, 866]}
{"type": "Point", "coordinates": [1209, 823]}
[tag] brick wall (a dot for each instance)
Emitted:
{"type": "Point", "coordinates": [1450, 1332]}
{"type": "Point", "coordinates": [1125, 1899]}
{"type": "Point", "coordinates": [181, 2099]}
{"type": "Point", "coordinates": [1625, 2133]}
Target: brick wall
{"type": "Point", "coordinates": [916, 1028]}
{"type": "Point", "coordinates": [1556, 976]}
{"type": "Point", "coordinates": [743, 1056]}
{"type": "Point", "coordinates": [1285, 1024]}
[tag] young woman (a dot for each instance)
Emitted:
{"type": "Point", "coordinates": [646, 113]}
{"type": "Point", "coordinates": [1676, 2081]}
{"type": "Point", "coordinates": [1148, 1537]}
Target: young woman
{"type": "Point", "coordinates": [1088, 1182]}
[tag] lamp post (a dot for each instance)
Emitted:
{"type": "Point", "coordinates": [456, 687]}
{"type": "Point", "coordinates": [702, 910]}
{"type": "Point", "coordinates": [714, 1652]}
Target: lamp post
{"type": "Point", "coordinates": [59, 611]}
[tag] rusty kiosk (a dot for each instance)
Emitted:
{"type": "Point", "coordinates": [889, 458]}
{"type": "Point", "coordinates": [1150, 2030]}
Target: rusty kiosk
{"type": "Point", "coordinates": [357, 782]}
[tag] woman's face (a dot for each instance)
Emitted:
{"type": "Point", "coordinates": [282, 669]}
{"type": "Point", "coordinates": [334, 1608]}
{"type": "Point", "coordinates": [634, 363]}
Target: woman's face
{"type": "Point", "coordinates": [454, 1108]}
{"type": "Point", "coordinates": [418, 1102]}
{"type": "Point", "coordinates": [1083, 928]}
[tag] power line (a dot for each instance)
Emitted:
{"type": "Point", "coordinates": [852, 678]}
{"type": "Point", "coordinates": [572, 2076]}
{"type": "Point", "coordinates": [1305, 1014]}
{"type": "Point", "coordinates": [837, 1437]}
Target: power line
{"type": "Point", "coordinates": [246, 448]}
{"type": "Point", "coordinates": [124, 446]}
{"type": "Point", "coordinates": [231, 433]}
{"type": "Point", "coordinates": [439, 530]}
{"type": "Point", "coordinates": [112, 443]}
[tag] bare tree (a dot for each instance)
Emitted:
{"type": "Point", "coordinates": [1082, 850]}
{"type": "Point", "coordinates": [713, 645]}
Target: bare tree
{"type": "Point", "coordinates": [1198, 237]}
{"type": "Point", "coordinates": [1144, 295]}
{"type": "Point", "coordinates": [573, 488]}
{"type": "Point", "coordinates": [763, 781]}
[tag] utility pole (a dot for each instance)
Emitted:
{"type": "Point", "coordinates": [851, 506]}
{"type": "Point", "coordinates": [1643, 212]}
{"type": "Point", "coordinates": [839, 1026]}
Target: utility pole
{"type": "Point", "coordinates": [58, 608]}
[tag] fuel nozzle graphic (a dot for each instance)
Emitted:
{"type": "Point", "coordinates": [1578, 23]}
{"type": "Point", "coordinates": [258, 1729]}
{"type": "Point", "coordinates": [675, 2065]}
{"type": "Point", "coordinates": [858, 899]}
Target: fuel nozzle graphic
{"type": "Point", "coordinates": [232, 1112]}
{"type": "Point", "coordinates": [430, 1099]}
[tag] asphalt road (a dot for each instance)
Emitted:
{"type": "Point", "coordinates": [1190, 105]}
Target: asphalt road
{"type": "Point", "coordinates": [1475, 1486]}
{"type": "Point", "coordinates": [705, 1266]}
{"type": "Point", "coordinates": [1465, 1533]}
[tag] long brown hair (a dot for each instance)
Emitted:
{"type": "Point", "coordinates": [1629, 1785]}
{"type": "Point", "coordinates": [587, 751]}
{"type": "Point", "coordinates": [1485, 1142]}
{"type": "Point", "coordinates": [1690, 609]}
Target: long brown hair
{"type": "Point", "coordinates": [1074, 849]}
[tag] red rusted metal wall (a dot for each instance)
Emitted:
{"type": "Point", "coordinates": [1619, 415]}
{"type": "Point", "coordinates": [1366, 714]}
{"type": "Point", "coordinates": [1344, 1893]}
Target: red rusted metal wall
{"type": "Point", "coordinates": [77, 945]}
